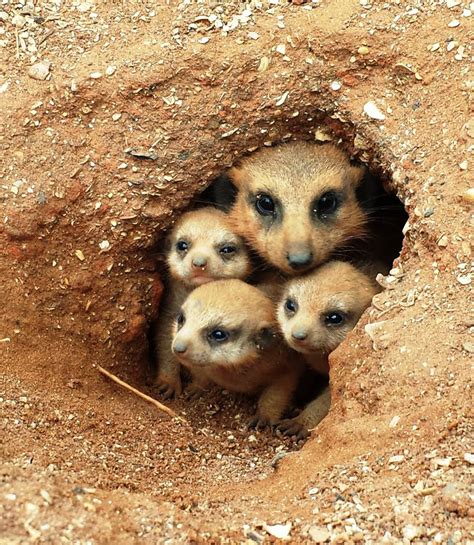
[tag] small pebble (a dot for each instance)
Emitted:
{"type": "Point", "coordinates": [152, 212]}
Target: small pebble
{"type": "Point", "coordinates": [39, 70]}
{"type": "Point", "coordinates": [319, 534]}
{"type": "Point", "coordinates": [397, 459]}
{"type": "Point", "coordinates": [336, 85]}
{"type": "Point", "coordinates": [463, 165]}
{"type": "Point", "coordinates": [104, 245]}
{"type": "Point", "coordinates": [468, 195]}
{"type": "Point", "coordinates": [468, 347]}
{"type": "Point", "coordinates": [110, 70]}
{"type": "Point", "coordinates": [372, 111]}
{"type": "Point", "coordinates": [280, 531]}
{"type": "Point", "coordinates": [464, 279]}
{"type": "Point", "coordinates": [410, 532]}
{"type": "Point", "coordinates": [363, 50]}
{"type": "Point", "coordinates": [469, 458]}
{"type": "Point", "coordinates": [203, 40]}
{"type": "Point", "coordinates": [454, 23]}
{"type": "Point", "coordinates": [95, 75]}
{"type": "Point", "coordinates": [116, 117]}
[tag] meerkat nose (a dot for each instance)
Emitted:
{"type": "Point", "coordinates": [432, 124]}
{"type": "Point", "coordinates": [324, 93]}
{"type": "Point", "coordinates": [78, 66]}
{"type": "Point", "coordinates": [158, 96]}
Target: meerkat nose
{"type": "Point", "coordinates": [300, 260]}
{"type": "Point", "coordinates": [180, 347]}
{"type": "Point", "coordinates": [199, 262]}
{"type": "Point", "coordinates": [299, 334]}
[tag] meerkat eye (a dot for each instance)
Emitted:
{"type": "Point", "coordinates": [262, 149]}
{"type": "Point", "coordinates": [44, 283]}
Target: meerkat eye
{"type": "Point", "coordinates": [291, 306]}
{"type": "Point", "coordinates": [182, 246]}
{"type": "Point", "coordinates": [228, 249]}
{"type": "Point", "coordinates": [264, 205]}
{"type": "Point", "coordinates": [180, 319]}
{"type": "Point", "coordinates": [327, 204]}
{"type": "Point", "coordinates": [334, 319]}
{"type": "Point", "coordinates": [218, 335]}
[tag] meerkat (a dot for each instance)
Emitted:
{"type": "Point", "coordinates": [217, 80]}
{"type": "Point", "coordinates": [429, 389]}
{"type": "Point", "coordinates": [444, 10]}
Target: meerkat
{"type": "Point", "coordinates": [315, 314]}
{"type": "Point", "coordinates": [226, 333]}
{"type": "Point", "coordinates": [296, 204]}
{"type": "Point", "coordinates": [202, 248]}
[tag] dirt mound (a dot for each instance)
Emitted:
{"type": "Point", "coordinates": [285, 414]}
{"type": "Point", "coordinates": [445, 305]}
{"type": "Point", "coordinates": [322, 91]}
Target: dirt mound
{"type": "Point", "coordinates": [116, 115]}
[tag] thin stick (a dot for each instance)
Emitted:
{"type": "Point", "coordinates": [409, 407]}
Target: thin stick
{"type": "Point", "coordinates": [157, 404]}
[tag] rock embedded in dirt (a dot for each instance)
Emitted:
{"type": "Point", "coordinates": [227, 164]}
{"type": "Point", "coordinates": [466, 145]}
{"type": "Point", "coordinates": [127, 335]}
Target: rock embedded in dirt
{"type": "Point", "coordinates": [319, 534]}
{"type": "Point", "coordinates": [373, 111]}
{"type": "Point", "coordinates": [40, 70]}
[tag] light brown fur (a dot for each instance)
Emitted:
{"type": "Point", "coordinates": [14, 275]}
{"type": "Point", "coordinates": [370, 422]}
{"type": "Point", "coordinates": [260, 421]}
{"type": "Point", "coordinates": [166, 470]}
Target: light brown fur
{"type": "Point", "coordinates": [336, 287]}
{"type": "Point", "coordinates": [296, 175]}
{"type": "Point", "coordinates": [252, 360]}
{"type": "Point", "coordinates": [206, 231]}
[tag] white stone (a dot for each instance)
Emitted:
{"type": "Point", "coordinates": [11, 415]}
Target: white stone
{"type": "Point", "coordinates": [372, 111]}
{"type": "Point", "coordinates": [281, 531]}
{"type": "Point", "coordinates": [39, 70]}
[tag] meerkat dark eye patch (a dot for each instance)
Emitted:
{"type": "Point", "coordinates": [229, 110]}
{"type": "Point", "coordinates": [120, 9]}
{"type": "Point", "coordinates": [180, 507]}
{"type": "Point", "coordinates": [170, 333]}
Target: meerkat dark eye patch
{"type": "Point", "coordinates": [334, 319]}
{"type": "Point", "coordinates": [264, 204]}
{"type": "Point", "coordinates": [326, 205]}
{"type": "Point", "coordinates": [228, 249]}
{"type": "Point", "coordinates": [182, 246]}
{"type": "Point", "coordinates": [218, 335]}
{"type": "Point", "coordinates": [291, 307]}
{"type": "Point", "coordinates": [180, 319]}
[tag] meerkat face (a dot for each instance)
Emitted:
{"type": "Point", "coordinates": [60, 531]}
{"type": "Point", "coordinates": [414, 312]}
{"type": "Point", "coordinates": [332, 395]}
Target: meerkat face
{"type": "Point", "coordinates": [224, 323]}
{"type": "Point", "coordinates": [204, 248]}
{"type": "Point", "coordinates": [318, 310]}
{"type": "Point", "coordinates": [296, 204]}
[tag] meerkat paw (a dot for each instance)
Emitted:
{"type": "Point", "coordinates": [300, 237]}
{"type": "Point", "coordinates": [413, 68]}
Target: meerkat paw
{"type": "Point", "coordinates": [259, 422]}
{"type": "Point", "coordinates": [169, 387]}
{"type": "Point", "coordinates": [193, 392]}
{"type": "Point", "coordinates": [293, 427]}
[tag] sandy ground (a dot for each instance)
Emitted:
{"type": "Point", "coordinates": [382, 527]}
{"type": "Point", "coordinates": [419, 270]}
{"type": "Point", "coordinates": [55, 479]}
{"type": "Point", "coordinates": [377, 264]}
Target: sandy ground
{"type": "Point", "coordinates": [114, 116]}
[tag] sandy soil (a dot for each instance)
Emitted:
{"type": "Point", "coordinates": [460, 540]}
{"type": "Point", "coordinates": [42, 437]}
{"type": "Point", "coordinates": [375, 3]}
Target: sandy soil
{"type": "Point", "coordinates": [136, 109]}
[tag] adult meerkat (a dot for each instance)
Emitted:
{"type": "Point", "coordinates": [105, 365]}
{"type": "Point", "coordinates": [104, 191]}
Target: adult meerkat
{"type": "Point", "coordinates": [226, 333]}
{"type": "Point", "coordinates": [315, 314]}
{"type": "Point", "coordinates": [203, 248]}
{"type": "Point", "coordinates": [296, 203]}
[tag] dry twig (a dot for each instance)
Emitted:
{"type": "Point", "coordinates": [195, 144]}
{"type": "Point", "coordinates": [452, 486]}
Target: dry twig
{"type": "Point", "coordinates": [157, 404]}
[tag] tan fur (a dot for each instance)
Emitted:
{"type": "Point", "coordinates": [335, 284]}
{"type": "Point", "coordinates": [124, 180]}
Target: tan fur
{"type": "Point", "coordinates": [334, 287]}
{"type": "Point", "coordinates": [253, 360]}
{"type": "Point", "coordinates": [296, 175]}
{"type": "Point", "coordinates": [205, 230]}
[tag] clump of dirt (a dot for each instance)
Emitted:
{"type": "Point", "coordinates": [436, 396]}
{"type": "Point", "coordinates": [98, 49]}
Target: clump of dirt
{"type": "Point", "coordinates": [116, 117]}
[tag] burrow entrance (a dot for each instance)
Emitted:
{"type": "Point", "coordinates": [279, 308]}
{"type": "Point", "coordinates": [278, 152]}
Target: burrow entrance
{"type": "Point", "coordinates": [386, 217]}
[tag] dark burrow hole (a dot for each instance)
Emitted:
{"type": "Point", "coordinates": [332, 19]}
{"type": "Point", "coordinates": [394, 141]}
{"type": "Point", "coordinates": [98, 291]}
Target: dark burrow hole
{"type": "Point", "coordinates": [381, 242]}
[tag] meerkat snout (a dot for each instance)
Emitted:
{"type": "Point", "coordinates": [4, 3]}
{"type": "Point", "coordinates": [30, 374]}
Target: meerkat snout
{"type": "Point", "coordinates": [300, 258]}
{"type": "Point", "coordinates": [299, 334]}
{"type": "Point", "coordinates": [199, 262]}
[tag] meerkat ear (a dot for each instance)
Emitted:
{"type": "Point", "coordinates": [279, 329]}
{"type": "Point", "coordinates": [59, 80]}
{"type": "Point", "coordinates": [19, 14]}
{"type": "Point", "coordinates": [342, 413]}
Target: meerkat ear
{"type": "Point", "coordinates": [237, 176]}
{"type": "Point", "coordinates": [265, 337]}
{"type": "Point", "coordinates": [355, 175]}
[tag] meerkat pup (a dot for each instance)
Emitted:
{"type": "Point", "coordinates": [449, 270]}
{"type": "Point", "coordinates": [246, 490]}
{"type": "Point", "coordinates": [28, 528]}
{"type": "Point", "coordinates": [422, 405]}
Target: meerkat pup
{"type": "Point", "coordinates": [203, 248]}
{"type": "Point", "coordinates": [315, 314]}
{"type": "Point", "coordinates": [226, 333]}
{"type": "Point", "coordinates": [296, 203]}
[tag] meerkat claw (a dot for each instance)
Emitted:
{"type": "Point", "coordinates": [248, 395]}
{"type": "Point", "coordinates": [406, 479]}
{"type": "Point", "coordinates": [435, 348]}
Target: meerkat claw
{"type": "Point", "coordinates": [193, 392]}
{"type": "Point", "coordinates": [169, 390]}
{"type": "Point", "coordinates": [292, 428]}
{"type": "Point", "coordinates": [259, 423]}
